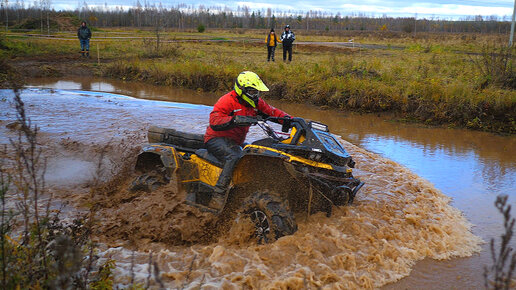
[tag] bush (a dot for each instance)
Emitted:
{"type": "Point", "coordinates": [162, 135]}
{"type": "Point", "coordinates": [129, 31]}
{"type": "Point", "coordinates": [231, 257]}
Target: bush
{"type": "Point", "coordinates": [201, 28]}
{"type": "Point", "coordinates": [496, 67]}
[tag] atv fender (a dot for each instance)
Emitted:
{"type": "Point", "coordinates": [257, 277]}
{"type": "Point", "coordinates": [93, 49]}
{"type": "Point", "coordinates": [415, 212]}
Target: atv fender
{"type": "Point", "coordinates": [261, 168]}
{"type": "Point", "coordinates": [157, 155]}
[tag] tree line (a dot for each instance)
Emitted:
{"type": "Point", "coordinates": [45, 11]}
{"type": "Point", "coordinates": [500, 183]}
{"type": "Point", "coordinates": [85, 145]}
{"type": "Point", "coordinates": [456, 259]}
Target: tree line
{"type": "Point", "coordinates": [182, 16]}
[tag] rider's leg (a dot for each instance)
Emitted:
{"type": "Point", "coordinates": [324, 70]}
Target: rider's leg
{"type": "Point", "coordinates": [227, 151]}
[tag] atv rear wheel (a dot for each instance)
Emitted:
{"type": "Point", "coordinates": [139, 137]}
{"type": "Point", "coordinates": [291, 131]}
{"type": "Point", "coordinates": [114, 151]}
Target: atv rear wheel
{"type": "Point", "coordinates": [148, 181]}
{"type": "Point", "coordinates": [270, 215]}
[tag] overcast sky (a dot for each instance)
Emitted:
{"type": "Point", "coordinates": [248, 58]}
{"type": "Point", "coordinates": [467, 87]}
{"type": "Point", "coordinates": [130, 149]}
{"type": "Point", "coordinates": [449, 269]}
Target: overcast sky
{"type": "Point", "coordinates": [427, 8]}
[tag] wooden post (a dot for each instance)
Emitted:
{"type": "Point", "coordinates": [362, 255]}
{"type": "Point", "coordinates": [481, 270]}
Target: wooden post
{"type": "Point", "coordinates": [511, 37]}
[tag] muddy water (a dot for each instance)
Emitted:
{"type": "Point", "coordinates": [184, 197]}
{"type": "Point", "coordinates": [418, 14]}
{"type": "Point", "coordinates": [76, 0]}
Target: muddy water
{"type": "Point", "coordinates": [398, 227]}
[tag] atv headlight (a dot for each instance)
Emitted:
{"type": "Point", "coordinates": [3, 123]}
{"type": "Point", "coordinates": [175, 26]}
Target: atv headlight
{"type": "Point", "coordinates": [319, 126]}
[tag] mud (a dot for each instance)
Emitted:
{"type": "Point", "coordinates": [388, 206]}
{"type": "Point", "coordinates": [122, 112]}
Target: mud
{"type": "Point", "coordinates": [397, 219]}
{"type": "Point", "coordinates": [54, 66]}
{"type": "Point", "coordinates": [137, 218]}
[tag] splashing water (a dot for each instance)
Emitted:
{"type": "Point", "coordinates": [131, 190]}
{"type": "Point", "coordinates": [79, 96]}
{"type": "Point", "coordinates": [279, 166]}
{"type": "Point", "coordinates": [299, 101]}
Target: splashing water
{"type": "Point", "coordinates": [397, 219]}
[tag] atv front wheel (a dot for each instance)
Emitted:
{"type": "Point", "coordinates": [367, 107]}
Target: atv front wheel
{"type": "Point", "coordinates": [148, 181]}
{"type": "Point", "coordinates": [270, 215]}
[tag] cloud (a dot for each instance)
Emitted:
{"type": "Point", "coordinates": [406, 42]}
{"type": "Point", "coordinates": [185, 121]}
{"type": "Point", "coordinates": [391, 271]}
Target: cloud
{"type": "Point", "coordinates": [440, 8]}
{"type": "Point", "coordinates": [429, 9]}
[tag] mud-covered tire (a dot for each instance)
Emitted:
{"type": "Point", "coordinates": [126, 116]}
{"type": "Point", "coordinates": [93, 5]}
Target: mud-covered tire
{"type": "Point", "coordinates": [148, 181]}
{"type": "Point", "coordinates": [270, 215]}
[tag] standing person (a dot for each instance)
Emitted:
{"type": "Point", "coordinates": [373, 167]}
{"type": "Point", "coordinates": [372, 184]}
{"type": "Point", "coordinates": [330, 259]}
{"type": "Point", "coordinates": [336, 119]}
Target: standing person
{"type": "Point", "coordinates": [271, 40]}
{"type": "Point", "coordinates": [84, 35]}
{"type": "Point", "coordinates": [230, 120]}
{"type": "Point", "coordinates": [287, 37]}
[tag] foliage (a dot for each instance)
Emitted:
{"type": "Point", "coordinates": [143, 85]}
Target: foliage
{"type": "Point", "coordinates": [499, 275]}
{"type": "Point", "coordinates": [168, 50]}
{"type": "Point", "coordinates": [496, 66]}
{"type": "Point", "coordinates": [201, 28]}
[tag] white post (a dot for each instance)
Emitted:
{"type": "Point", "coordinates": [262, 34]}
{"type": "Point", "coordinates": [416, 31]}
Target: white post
{"type": "Point", "coordinates": [512, 25]}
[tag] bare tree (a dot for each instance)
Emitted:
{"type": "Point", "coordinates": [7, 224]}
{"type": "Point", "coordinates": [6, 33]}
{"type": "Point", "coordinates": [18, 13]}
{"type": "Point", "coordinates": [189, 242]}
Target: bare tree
{"type": "Point", "coordinates": [5, 5]}
{"type": "Point", "coordinates": [46, 6]}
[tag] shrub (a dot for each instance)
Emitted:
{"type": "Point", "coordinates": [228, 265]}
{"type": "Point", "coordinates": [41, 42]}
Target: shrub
{"type": "Point", "coordinates": [499, 275]}
{"type": "Point", "coordinates": [495, 64]}
{"type": "Point", "coordinates": [201, 28]}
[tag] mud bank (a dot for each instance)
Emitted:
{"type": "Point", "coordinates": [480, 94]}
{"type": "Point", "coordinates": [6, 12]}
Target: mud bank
{"type": "Point", "coordinates": [398, 218]}
{"type": "Point", "coordinates": [48, 66]}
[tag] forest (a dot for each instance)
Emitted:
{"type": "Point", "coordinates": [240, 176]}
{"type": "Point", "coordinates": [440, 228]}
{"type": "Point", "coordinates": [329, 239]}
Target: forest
{"type": "Point", "coordinates": [41, 14]}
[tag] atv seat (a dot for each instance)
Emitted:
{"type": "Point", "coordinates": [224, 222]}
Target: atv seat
{"type": "Point", "coordinates": [181, 140]}
{"type": "Point", "coordinates": [204, 154]}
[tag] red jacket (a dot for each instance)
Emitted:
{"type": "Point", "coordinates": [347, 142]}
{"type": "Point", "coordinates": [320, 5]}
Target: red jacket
{"type": "Point", "coordinates": [227, 107]}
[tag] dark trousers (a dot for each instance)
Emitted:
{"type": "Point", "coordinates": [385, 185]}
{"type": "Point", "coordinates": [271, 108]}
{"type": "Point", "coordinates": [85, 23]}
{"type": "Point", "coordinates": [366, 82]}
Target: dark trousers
{"type": "Point", "coordinates": [289, 50]}
{"type": "Point", "coordinates": [270, 52]}
{"type": "Point", "coordinates": [227, 151]}
{"type": "Point", "coordinates": [85, 44]}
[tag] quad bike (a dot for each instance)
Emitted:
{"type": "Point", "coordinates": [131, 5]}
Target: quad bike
{"type": "Point", "coordinates": [305, 171]}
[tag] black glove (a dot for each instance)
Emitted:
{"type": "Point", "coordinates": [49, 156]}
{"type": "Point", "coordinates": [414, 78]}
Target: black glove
{"type": "Point", "coordinates": [245, 120]}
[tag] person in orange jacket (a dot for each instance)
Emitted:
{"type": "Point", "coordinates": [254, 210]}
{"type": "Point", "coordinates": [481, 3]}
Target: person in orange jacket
{"type": "Point", "coordinates": [272, 41]}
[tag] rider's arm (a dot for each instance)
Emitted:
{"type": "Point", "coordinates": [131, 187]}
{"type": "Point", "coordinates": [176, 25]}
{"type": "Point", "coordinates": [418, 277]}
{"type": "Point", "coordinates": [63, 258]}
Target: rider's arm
{"type": "Point", "coordinates": [269, 110]}
{"type": "Point", "coordinates": [220, 119]}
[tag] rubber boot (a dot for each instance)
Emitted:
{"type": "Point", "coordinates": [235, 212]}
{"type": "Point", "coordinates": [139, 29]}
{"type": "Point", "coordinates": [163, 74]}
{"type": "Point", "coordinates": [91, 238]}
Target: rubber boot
{"type": "Point", "coordinates": [87, 53]}
{"type": "Point", "coordinates": [218, 198]}
{"type": "Point", "coordinates": [219, 193]}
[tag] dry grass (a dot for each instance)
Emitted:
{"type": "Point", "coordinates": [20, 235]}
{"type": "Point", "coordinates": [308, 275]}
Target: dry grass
{"type": "Point", "coordinates": [435, 79]}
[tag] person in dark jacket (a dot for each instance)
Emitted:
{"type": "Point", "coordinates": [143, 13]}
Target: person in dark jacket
{"type": "Point", "coordinates": [272, 41]}
{"type": "Point", "coordinates": [230, 120]}
{"type": "Point", "coordinates": [84, 35]}
{"type": "Point", "coordinates": [287, 37]}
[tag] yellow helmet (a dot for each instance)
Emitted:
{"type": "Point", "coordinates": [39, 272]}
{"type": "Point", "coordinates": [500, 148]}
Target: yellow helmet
{"type": "Point", "coordinates": [248, 86]}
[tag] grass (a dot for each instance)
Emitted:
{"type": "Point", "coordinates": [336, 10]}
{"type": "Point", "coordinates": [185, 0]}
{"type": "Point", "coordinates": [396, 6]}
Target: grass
{"type": "Point", "coordinates": [436, 79]}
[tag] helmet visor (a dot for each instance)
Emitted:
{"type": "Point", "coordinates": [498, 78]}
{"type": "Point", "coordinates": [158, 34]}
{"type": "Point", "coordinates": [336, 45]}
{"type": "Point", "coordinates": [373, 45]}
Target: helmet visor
{"type": "Point", "coordinates": [252, 95]}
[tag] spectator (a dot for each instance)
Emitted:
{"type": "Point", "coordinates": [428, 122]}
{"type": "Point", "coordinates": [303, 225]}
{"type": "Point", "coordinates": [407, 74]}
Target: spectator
{"type": "Point", "coordinates": [271, 40]}
{"type": "Point", "coordinates": [287, 38]}
{"type": "Point", "coordinates": [84, 35]}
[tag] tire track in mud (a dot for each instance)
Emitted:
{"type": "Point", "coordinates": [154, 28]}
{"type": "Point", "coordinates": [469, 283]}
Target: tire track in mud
{"type": "Point", "coordinates": [397, 219]}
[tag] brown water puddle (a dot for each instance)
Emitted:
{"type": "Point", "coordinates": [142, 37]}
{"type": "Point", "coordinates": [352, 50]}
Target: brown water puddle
{"type": "Point", "coordinates": [398, 220]}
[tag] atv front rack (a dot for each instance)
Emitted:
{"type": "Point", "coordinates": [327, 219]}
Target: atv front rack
{"type": "Point", "coordinates": [336, 195]}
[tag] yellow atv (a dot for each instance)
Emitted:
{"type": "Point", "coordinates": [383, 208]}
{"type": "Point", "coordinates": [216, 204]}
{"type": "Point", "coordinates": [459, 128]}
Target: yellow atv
{"type": "Point", "coordinates": [302, 169]}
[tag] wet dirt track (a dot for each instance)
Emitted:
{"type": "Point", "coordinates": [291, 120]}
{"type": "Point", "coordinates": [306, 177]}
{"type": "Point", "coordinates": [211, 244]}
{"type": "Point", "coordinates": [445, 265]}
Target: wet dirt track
{"type": "Point", "coordinates": [398, 219]}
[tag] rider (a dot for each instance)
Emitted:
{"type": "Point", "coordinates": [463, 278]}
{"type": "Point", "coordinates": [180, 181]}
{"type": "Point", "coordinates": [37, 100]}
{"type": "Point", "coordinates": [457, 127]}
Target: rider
{"type": "Point", "coordinates": [230, 120]}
